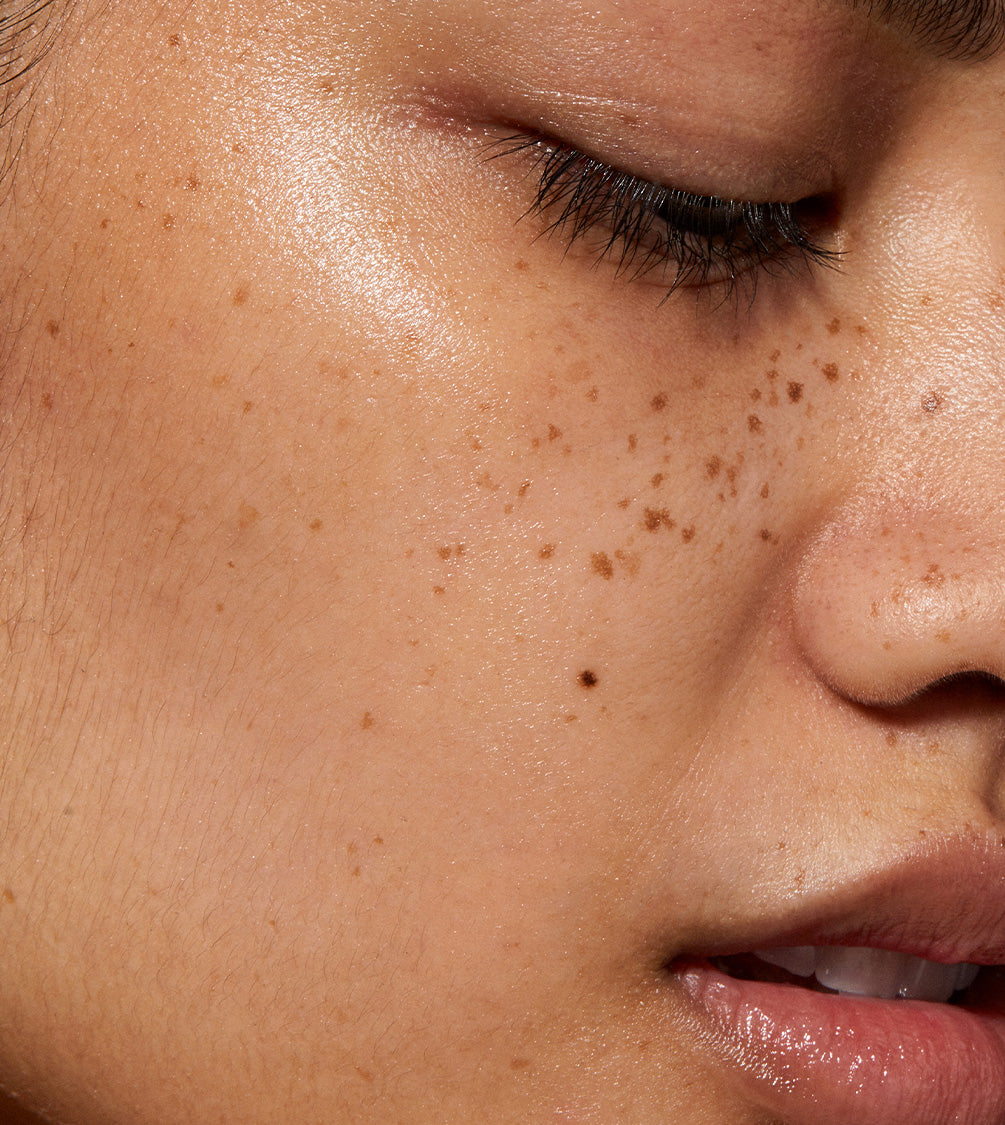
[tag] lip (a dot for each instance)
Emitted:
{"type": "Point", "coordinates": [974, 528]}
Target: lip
{"type": "Point", "coordinates": [817, 1058]}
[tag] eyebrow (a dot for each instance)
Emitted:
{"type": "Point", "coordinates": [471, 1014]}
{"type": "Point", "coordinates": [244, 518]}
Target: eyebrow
{"type": "Point", "coordinates": [955, 29]}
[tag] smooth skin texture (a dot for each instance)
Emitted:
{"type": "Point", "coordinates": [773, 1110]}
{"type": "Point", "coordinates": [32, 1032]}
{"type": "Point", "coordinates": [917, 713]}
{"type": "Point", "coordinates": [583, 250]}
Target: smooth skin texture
{"type": "Point", "coordinates": [417, 634]}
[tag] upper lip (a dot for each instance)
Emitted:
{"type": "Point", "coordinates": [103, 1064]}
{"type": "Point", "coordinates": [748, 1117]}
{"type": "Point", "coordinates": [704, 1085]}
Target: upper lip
{"type": "Point", "coordinates": [945, 902]}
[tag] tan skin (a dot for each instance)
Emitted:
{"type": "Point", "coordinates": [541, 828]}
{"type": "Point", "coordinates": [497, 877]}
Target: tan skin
{"type": "Point", "coordinates": [418, 634]}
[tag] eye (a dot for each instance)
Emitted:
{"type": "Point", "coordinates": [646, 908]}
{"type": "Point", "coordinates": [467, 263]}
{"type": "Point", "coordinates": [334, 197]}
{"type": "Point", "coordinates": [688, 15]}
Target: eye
{"type": "Point", "coordinates": [668, 236]}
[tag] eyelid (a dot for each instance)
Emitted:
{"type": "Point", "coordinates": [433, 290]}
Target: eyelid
{"type": "Point", "coordinates": [653, 228]}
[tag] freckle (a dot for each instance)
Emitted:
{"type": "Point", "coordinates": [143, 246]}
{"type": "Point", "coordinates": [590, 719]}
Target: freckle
{"type": "Point", "coordinates": [687, 533]}
{"type": "Point", "coordinates": [588, 679]}
{"type": "Point", "coordinates": [438, 591]}
{"type": "Point", "coordinates": [766, 535]}
{"type": "Point", "coordinates": [713, 466]}
{"type": "Point", "coordinates": [834, 327]}
{"type": "Point", "coordinates": [8, 895]}
{"type": "Point", "coordinates": [629, 560]}
{"type": "Point", "coordinates": [246, 516]}
{"type": "Point", "coordinates": [247, 407]}
{"type": "Point", "coordinates": [754, 424]}
{"type": "Point", "coordinates": [554, 433]}
{"type": "Point", "coordinates": [926, 299]}
{"type": "Point", "coordinates": [656, 480]}
{"type": "Point", "coordinates": [874, 611]}
{"type": "Point", "coordinates": [602, 565]}
{"type": "Point", "coordinates": [892, 738]}
{"type": "Point", "coordinates": [47, 401]}
{"type": "Point", "coordinates": [591, 394]}
{"type": "Point", "coordinates": [174, 40]}
{"type": "Point", "coordinates": [795, 392]}
{"type": "Point", "coordinates": [219, 607]}
{"type": "Point", "coordinates": [755, 394]}
{"type": "Point", "coordinates": [775, 355]}
{"type": "Point", "coordinates": [830, 371]}
{"type": "Point", "coordinates": [507, 509]}
{"type": "Point", "coordinates": [240, 296]}
{"type": "Point", "coordinates": [655, 518]}
{"type": "Point", "coordinates": [765, 490]}
{"type": "Point", "coordinates": [571, 718]}
{"type": "Point", "coordinates": [633, 441]}
{"type": "Point", "coordinates": [623, 504]}
{"type": "Point", "coordinates": [168, 222]}
{"type": "Point", "coordinates": [547, 551]}
{"type": "Point", "coordinates": [367, 721]}
{"type": "Point", "coordinates": [192, 183]}
{"type": "Point", "coordinates": [366, 1075]}
{"type": "Point", "coordinates": [52, 327]}
{"type": "Point", "coordinates": [887, 646]}
{"type": "Point", "coordinates": [771, 375]}
{"type": "Point", "coordinates": [931, 402]}
{"type": "Point", "coordinates": [315, 525]}
{"type": "Point", "coordinates": [943, 636]}
{"type": "Point", "coordinates": [444, 552]}
{"type": "Point", "coordinates": [103, 224]}
{"type": "Point", "coordinates": [658, 402]}
{"type": "Point", "coordinates": [519, 1064]}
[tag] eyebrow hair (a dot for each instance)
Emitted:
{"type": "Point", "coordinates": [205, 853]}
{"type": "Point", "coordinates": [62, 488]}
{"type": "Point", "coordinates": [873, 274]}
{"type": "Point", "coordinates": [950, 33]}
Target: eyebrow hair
{"type": "Point", "coordinates": [955, 29]}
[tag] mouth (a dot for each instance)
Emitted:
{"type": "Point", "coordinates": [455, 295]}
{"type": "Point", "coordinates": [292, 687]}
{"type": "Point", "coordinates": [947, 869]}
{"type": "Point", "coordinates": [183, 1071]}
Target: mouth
{"type": "Point", "coordinates": [856, 971]}
{"type": "Point", "coordinates": [884, 1005]}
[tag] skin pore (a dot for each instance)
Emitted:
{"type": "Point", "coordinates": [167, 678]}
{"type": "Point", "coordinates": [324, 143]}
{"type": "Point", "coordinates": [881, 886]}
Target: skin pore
{"type": "Point", "coordinates": [419, 631]}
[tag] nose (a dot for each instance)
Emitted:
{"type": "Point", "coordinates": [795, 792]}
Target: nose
{"type": "Point", "coordinates": [888, 603]}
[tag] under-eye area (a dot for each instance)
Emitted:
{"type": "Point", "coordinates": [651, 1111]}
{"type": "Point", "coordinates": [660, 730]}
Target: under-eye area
{"type": "Point", "coordinates": [663, 235]}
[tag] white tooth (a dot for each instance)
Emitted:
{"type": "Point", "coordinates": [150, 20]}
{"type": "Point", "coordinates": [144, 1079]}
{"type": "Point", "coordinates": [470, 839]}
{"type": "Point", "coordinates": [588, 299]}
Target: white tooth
{"type": "Point", "coordinates": [861, 971]}
{"type": "Point", "coordinates": [927, 980]}
{"type": "Point", "coordinates": [800, 960]}
{"type": "Point", "coordinates": [965, 976]}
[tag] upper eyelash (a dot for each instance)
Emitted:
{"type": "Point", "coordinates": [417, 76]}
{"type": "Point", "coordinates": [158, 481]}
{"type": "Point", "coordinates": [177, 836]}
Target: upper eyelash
{"type": "Point", "coordinates": [652, 227]}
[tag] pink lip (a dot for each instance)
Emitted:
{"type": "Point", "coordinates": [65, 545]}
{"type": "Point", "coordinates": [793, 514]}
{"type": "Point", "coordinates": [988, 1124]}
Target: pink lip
{"type": "Point", "coordinates": [815, 1058]}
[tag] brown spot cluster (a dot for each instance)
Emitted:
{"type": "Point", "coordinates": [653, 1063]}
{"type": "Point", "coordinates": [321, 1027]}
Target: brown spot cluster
{"type": "Point", "coordinates": [602, 565]}
{"type": "Point", "coordinates": [655, 518]}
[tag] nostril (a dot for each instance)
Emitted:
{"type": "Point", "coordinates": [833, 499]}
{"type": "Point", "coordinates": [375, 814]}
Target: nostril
{"type": "Point", "coordinates": [881, 620]}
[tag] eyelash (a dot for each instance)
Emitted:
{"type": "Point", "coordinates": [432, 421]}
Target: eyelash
{"type": "Point", "coordinates": [683, 239]}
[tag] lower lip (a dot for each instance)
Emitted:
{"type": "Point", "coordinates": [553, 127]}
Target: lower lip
{"type": "Point", "coordinates": [816, 1058]}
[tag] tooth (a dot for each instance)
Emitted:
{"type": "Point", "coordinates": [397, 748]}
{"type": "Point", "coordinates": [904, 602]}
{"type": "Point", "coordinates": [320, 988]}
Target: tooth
{"type": "Point", "coordinates": [928, 980]}
{"type": "Point", "coordinates": [860, 971]}
{"type": "Point", "coordinates": [878, 972]}
{"type": "Point", "coordinates": [800, 960]}
{"type": "Point", "coordinates": [965, 976]}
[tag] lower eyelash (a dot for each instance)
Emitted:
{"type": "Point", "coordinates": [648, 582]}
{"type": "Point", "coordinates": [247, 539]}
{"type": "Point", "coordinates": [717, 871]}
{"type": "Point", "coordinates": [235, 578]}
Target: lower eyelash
{"type": "Point", "coordinates": [693, 241]}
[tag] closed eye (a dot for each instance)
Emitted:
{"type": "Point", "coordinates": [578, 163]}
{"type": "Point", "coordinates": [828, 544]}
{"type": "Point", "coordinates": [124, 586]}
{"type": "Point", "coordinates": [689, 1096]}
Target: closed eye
{"type": "Point", "coordinates": [676, 238]}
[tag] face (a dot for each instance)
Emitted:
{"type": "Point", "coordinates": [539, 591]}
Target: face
{"type": "Point", "coordinates": [462, 601]}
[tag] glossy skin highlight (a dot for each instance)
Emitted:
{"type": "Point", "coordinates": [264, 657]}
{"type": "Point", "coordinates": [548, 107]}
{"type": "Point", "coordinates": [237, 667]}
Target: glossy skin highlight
{"type": "Point", "coordinates": [417, 636]}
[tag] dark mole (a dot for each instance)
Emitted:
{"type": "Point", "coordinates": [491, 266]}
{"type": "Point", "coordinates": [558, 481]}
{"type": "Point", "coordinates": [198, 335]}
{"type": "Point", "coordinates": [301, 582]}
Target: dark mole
{"type": "Point", "coordinates": [658, 402]}
{"type": "Point", "coordinates": [754, 424]}
{"type": "Point", "coordinates": [546, 551]}
{"type": "Point", "coordinates": [713, 466]}
{"type": "Point", "coordinates": [830, 371]}
{"type": "Point", "coordinates": [834, 327]}
{"type": "Point", "coordinates": [795, 392]}
{"type": "Point", "coordinates": [367, 721]}
{"type": "Point", "coordinates": [655, 518]}
{"type": "Point", "coordinates": [168, 222]}
{"type": "Point", "coordinates": [240, 296]}
{"type": "Point", "coordinates": [931, 402]}
{"type": "Point", "coordinates": [765, 535]}
{"type": "Point", "coordinates": [602, 565]}
{"type": "Point", "coordinates": [588, 679]}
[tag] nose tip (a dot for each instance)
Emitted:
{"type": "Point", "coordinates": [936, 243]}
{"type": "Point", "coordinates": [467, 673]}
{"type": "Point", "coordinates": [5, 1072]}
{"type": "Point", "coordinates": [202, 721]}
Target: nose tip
{"type": "Point", "coordinates": [883, 609]}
